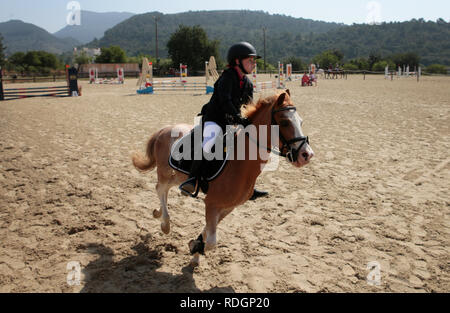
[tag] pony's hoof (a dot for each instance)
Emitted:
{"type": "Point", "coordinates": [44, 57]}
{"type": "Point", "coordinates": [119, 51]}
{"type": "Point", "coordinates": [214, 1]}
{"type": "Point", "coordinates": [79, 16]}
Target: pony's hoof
{"type": "Point", "coordinates": [196, 246]}
{"type": "Point", "coordinates": [157, 213]}
{"type": "Point", "coordinates": [165, 227]}
{"type": "Point", "coordinates": [194, 263]}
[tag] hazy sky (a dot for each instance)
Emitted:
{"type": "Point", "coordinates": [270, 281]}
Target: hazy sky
{"type": "Point", "coordinates": [51, 14]}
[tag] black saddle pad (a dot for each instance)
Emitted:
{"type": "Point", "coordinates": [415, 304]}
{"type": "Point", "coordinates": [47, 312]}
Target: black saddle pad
{"type": "Point", "coordinates": [189, 146]}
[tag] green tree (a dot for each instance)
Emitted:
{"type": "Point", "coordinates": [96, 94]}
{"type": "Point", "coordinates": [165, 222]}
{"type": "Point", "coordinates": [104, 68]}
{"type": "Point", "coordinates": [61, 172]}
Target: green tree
{"type": "Point", "coordinates": [373, 59]}
{"type": "Point", "coordinates": [83, 58]}
{"type": "Point", "coordinates": [409, 58]}
{"type": "Point", "coordinates": [34, 61]}
{"type": "Point", "coordinates": [436, 69]}
{"type": "Point", "coordinates": [360, 63]}
{"type": "Point", "coordinates": [328, 58]}
{"type": "Point", "coordinates": [350, 67]}
{"type": "Point", "coordinates": [17, 60]}
{"type": "Point", "coordinates": [338, 54]}
{"type": "Point", "coordinates": [138, 59]}
{"type": "Point", "coordinates": [260, 63]}
{"type": "Point", "coordinates": [297, 63]}
{"type": "Point", "coordinates": [113, 54]}
{"type": "Point", "coordinates": [379, 66]}
{"type": "Point", "coordinates": [48, 60]}
{"type": "Point", "coordinates": [190, 46]}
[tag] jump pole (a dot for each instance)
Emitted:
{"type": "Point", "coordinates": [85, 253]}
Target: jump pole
{"type": "Point", "coordinates": [93, 75]}
{"type": "Point", "coordinates": [257, 87]}
{"type": "Point", "coordinates": [120, 75]}
{"type": "Point", "coordinates": [288, 71]}
{"type": "Point", "coordinates": [281, 83]}
{"type": "Point", "coordinates": [152, 86]}
{"type": "Point", "coordinates": [290, 76]}
{"type": "Point", "coordinates": [183, 70]}
{"type": "Point", "coordinates": [210, 73]}
{"type": "Point", "coordinates": [71, 89]}
{"type": "Point", "coordinates": [255, 84]}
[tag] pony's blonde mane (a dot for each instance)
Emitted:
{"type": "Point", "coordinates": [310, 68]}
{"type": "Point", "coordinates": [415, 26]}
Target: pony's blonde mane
{"type": "Point", "coordinates": [251, 109]}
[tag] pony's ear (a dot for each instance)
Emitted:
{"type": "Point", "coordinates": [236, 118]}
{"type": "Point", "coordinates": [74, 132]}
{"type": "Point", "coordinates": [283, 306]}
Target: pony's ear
{"type": "Point", "coordinates": [288, 92]}
{"type": "Point", "coordinates": [281, 99]}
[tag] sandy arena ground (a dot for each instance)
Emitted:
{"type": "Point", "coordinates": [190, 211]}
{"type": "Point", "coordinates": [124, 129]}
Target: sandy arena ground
{"type": "Point", "coordinates": [375, 197]}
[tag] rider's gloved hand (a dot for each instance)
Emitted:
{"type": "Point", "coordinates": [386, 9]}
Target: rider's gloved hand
{"type": "Point", "coordinates": [245, 122]}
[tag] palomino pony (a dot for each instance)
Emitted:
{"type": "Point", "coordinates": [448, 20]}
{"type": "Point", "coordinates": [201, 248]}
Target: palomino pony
{"type": "Point", "coordinates": [235, 184]}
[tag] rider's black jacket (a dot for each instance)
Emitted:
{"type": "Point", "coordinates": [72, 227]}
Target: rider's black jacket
{"type": "Point", "coordinates": [224, 108]}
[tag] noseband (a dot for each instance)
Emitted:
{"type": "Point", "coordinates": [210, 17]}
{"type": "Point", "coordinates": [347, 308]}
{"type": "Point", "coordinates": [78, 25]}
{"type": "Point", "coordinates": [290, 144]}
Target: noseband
{"type": "Point", "coordinates": [287, 150]}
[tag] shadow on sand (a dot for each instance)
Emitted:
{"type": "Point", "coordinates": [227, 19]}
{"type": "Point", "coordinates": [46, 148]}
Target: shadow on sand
{"type": "Point", "coordinates": [137, 273]}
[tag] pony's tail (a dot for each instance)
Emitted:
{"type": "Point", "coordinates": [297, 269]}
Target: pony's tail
{"type": "Point", "coordinates": [148, 162]}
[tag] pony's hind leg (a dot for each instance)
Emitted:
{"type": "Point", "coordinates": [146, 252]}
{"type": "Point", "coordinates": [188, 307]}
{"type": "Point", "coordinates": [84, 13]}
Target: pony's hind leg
{"type": "Point", "coordinates": [162, 191]}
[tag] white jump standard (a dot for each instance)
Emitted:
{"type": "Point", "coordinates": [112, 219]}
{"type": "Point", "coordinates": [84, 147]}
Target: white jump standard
{"type": "Point", "coordinates": [148, 86]}
{"type": "Point", "coordinates": [93, 77]}
{"type": "Point", "coordinates": [278, 84]}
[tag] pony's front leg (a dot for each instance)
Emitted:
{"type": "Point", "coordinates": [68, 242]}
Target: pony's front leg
{"type": "Point", "coordinates": [207, 241]}
{"type": "Point", "coordinates": [197, 247]}
{"type": "Point", "coordinates": [212, 219]}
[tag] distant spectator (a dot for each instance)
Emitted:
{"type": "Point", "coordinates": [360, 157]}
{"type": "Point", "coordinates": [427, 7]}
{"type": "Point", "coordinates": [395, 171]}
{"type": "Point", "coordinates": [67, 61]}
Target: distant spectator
{"type": "Point", "coordinates": [306, 80]}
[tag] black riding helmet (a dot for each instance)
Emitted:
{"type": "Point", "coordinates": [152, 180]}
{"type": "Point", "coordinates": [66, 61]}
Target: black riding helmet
{"type": "Point", "coordinates": [241, 51]}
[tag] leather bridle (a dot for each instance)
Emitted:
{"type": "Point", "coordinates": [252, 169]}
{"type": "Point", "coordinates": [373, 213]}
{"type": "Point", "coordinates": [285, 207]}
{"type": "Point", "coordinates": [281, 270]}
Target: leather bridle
{"type": "Point", "coordinates": [287, 150]}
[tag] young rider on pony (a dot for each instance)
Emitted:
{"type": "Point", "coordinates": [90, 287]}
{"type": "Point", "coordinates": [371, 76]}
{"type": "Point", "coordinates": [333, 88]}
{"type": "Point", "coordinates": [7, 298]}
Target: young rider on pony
{"type": "Point", "coordinates": [232, 90]}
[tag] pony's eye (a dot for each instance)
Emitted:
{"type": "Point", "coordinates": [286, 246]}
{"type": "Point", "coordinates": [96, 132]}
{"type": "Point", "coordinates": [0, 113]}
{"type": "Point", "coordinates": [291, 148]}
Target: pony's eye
{"type": "Point", "coordinates": [284, 123]}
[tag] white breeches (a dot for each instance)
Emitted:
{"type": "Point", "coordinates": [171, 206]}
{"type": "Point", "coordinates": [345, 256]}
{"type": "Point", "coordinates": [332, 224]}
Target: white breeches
{"type": "Point", "coordinates": [210, 133]}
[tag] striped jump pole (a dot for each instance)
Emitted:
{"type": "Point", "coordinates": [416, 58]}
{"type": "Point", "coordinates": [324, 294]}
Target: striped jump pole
{"type": "Point", "coordinates": [281, 82]}
{"type": "Point", "coordinates": [71, 89]}
{"type": "Point", "coordinates": [254, 73]}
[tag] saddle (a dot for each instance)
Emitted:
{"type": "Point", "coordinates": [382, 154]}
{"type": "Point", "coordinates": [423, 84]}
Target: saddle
{"type": "Point", "coordinates": [188, 147]}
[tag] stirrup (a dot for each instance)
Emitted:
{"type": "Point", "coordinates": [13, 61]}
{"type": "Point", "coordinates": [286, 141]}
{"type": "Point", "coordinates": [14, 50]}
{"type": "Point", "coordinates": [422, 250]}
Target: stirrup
{"type": "Point", "coordinates": [192, 182]}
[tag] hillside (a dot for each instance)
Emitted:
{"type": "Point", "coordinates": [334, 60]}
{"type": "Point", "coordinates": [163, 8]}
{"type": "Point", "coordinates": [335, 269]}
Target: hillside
{"type": "Point", "coordinates": [430, 40]}
{"type": "Point", "coordinates": [137, 34]}
{"type": "Point", "coordinates": [285, 36]}
{"type": "Point", "coordinates": [20, 36]}
{"type": "Point", "coordinates": [93, 25]}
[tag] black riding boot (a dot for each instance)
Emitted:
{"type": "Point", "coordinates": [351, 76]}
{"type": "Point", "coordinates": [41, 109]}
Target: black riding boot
{"type": "Point", "coordinates": [190, 186]}
{"type": "Point", "coordinates": [258, 193]}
